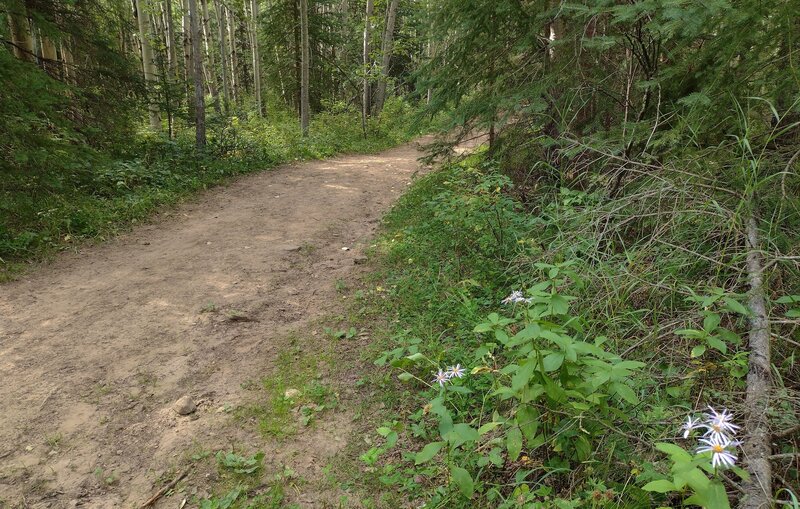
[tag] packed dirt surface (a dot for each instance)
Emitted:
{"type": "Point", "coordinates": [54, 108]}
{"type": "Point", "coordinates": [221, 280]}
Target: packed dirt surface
{"type": "Point", "coordinates": [97, 346]}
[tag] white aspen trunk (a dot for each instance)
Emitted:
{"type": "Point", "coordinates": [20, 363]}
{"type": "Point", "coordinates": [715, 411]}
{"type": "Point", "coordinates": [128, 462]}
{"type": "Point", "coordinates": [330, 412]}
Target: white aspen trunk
{"type": "Point", "coordinates": [386, 55]}
{"type": "Point", "coordinates": [366, 99]}
{"type": "Point", "coordinates": [280, 75]}
{"type": "Point", "coordinates": [21, 37]}
{"type": "Point", "coordinates": [304, 78]}
{"type": "Point", "coordinates": [234, 60]}
{"type": "Point", "coordinates": [256, 61]}
{"type": "Point", "coordinates": [49, 55]}
{"type": "Point", "coordinates": [66, 58]}
{"type": "Point", "coordinates": [147, 62]}
{"type": "Point", "coordinates": [211, 67]}
{"type": "Point", "coordinates": [223, 54]}
{"type": "Point", "coordinates": [199, 92]}
{"type": "Point", "coordinates": [188, 67]}
{"type": "Point", "coordinates": [172, 58]}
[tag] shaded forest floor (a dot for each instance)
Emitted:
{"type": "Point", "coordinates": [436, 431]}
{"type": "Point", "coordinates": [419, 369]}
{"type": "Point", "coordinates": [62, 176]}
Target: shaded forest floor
{"type": "Point", "coordinates": [229, 300]}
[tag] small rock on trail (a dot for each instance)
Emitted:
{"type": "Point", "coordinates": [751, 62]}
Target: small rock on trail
{"type": "Point", "coordinates": [184, 406]}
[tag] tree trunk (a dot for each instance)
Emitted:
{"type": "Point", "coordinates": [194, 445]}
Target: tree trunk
{"type": "Point", "coordinates": [223, 54]}
{"type": "Point", "coordinates": [21, 37]}
{"type": "Point", "coordinates": [211, 67]}
{"type": "Point", "coordinates": [188, 67]}
{"type": "Point", "coordinates": [147, 63]}
{"type": "Point", "coordinates": [298, 64]}
{"type": "Point", "coordinates": [304, 114]}
{"type": "Point", "coordinates": [49, 56]}
{"type": "Point", "coordinates": [234, 57]}
{"type": "Point", "coordinates": [386, 55]}
{"type": "Point", "coordinates": [172, 58]}
{"type": "Point", "coordinates": [366, 99]}
{"type": "Point", "coordinates": [756, 446]}
{"type": "Point", "coordinates": [199, 92]}
{"type": "Point", "coordinates": [66, 57]}
{"type": "Point", "coordinates": [256, 61]}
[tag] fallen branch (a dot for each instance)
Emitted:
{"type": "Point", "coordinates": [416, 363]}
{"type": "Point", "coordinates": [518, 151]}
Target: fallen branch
{"type": "Point", "coordinates": [785, 433]}
{"type": "Point", "coordinates": [756, 447]}
{"type": "Point", "coordinates": [152, 500]}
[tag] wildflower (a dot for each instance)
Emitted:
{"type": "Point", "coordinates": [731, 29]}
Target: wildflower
{"type": "Point", "coordinates": [441, 378]}
{"type": "Point", "coordinates": [720, 425]}
{"type": "Point", "coordinates": [691, 425]}
{"type": "Point", "coordinates": [719, 447]}
{"type": "Point", "coordinates": [455, 371]}
{"type": "Point", "coordinates": [515, 298]}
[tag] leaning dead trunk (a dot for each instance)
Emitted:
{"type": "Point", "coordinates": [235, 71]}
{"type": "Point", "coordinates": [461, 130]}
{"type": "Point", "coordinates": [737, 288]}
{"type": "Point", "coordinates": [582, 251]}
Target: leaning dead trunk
{"type": "Point", "coordinates": [756, 447]}
{"type": "Point", "coordinates": [386, 56]}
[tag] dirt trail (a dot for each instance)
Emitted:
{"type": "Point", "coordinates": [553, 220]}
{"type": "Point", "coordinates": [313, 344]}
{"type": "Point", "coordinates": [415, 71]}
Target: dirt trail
{"type": "Point", "coordinates": [97, 346]}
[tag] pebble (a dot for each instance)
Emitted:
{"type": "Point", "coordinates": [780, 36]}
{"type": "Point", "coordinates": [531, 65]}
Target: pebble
{"type": "Point", "coordinates": [291, 393]}
{"type": "Point", "coordinates": [184, 406]}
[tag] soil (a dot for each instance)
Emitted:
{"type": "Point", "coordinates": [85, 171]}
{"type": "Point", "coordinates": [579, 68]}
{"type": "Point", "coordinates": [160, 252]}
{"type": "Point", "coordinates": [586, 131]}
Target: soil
{"type": "Point", "coordinates": [97, 346]}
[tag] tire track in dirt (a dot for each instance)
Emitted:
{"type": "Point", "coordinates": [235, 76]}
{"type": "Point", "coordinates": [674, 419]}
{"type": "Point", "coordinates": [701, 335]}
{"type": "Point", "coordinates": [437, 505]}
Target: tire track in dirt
{"type": "Point", "coordinates": [96, 346]}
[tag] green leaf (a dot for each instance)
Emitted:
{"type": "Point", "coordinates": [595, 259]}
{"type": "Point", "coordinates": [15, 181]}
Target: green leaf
{"type": "Point", "coordinates": [528, 420]}
{"type": "Point", "coordinates": [793, 313]}
{"type": "Point", "coordinates": [489, 426]}
{"type": "Point", "coordinates": [463, 480]}
{"type": "Point", "coordinates": [428, 452]}
{"type": "Point", "coordinates": [462, 433]}
{"type": "Point", "coordinates": [523, 375]}
{"type": "Point", "coordinates": [416, 357]}
{"type": "Point", "coordinates": [514, 443]}
{"type": "Point", "coordinates": [553, 361]}
{"type": "Point", "coordinates": [735, 306]}
{"type": "Point", "coordinates": [698, 350]}
{"type": "Point", "coordinates": [560, 305]}
{"type": "Point", "coordinates": [675, 392]}
{"type": "Point", "coordinates": [711, 322]}
{"type": "Point", "coordinates": [405, 376]}
{"type": "Point", "coordinates": [660, 486]}
{"type": "Point", "coordinates": [678, 454]}
{"type": "Point", "coordinates": [501, 336]}
{"type": "Point", "coordinates": [625, 392]}
{"type": "Point", "coordinates": [717, 344]}
{"type": "Point", "coordinates": [482, 327]}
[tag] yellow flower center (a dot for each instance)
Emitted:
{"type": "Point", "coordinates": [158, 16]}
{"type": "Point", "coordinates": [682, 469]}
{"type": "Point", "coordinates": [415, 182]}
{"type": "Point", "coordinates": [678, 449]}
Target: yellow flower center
{"type": "Point", "coordinates": [717, 448]}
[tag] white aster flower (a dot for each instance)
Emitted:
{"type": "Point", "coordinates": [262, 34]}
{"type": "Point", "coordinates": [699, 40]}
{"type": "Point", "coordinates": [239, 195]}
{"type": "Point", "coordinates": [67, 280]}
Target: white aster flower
{"type": "Point", "coordinates": [515, 298]}
{"type": "Point", "coordinates": [441, 378]}
{"type": "Point", "coordinates": [719, 447]}
{"type": "Point", "coordinates": [719, 424]}
{"type": "Point", "coordinates": [455, 371]}
{"type": "Point", "coordinates": [691, 425]}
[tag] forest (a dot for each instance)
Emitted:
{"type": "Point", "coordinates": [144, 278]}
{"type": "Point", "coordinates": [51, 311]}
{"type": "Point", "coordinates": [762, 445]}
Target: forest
{"type": "Point", "coordinates": [582, 291]}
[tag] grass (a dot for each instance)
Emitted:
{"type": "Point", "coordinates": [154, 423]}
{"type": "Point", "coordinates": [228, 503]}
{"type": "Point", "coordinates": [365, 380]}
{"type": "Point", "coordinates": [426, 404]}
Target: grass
{"type": "Point", "coordinates": [53, 209]}
{"type": "Point", "coordinates": [280, 413]}
{"type": "Point", "coordinates": [455, 245]}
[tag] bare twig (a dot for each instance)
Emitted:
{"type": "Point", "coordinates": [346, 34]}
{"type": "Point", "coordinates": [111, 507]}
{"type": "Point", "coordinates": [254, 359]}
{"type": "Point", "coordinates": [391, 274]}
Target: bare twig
{"type": "Point", "coordinates": [160, 493]}
{"type": "Point", "coordinates": [787, 432]}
